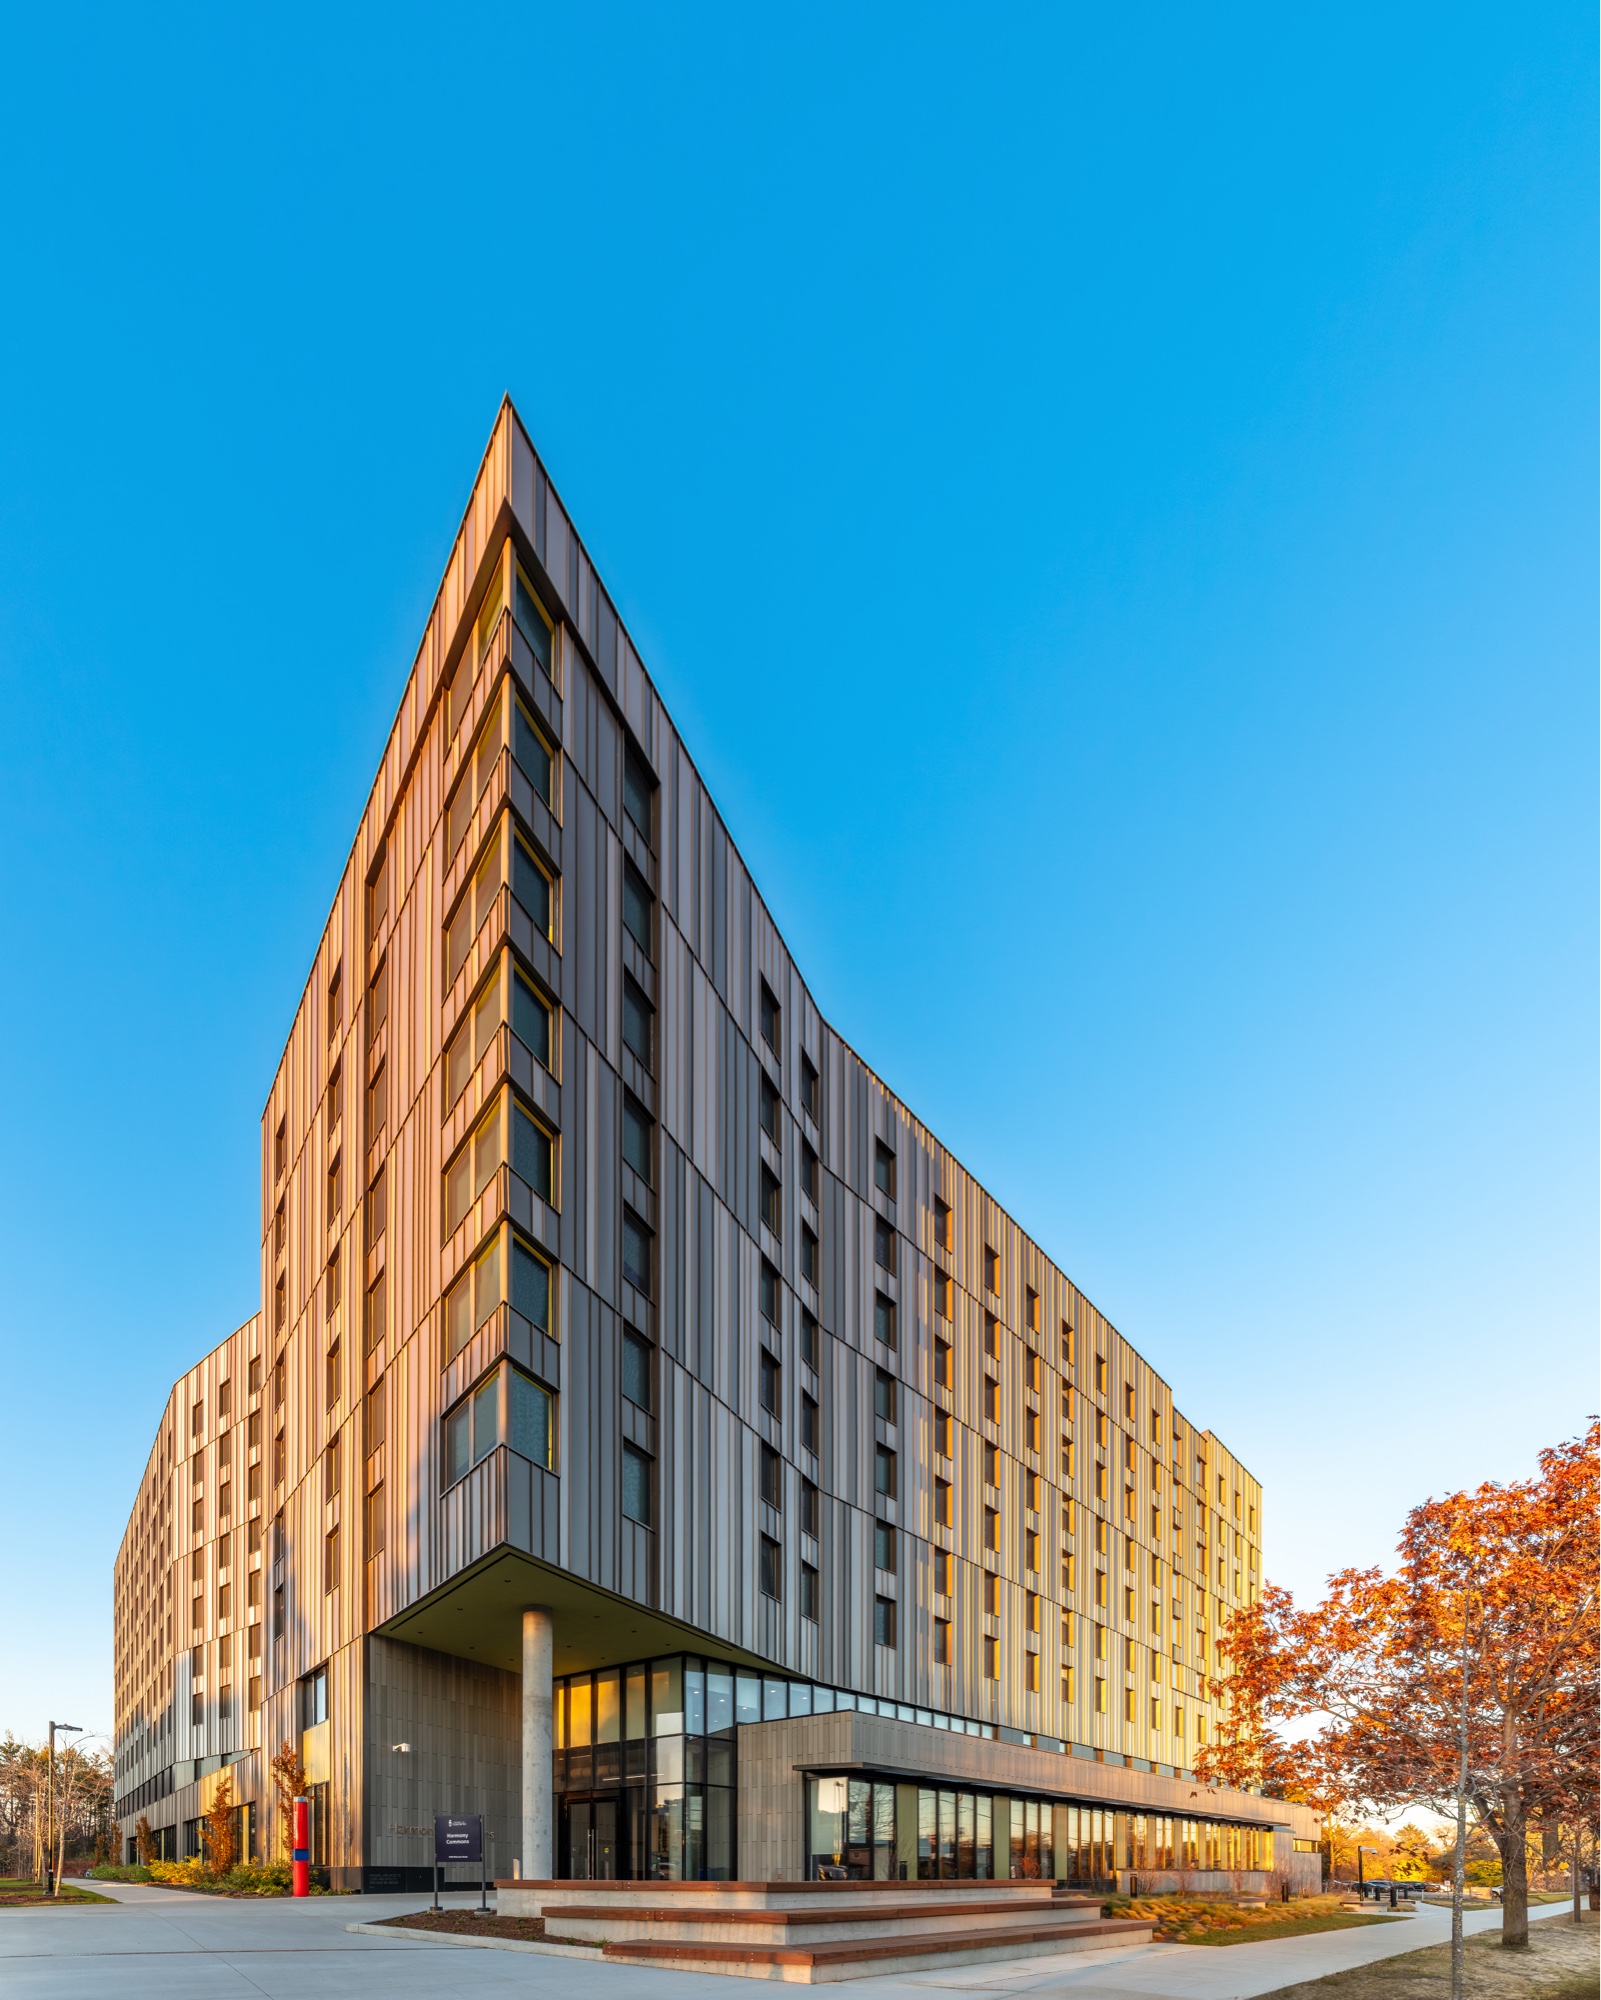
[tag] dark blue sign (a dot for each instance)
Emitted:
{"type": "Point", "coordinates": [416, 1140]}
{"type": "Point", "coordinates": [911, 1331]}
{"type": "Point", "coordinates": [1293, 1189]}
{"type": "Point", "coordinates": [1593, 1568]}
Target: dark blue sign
{"type": "Point", "coordinates": [458, 1839]}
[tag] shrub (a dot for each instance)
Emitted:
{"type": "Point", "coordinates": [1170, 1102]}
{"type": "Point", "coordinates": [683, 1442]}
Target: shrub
{"type": "Point", "coordinates": [107, 1871]}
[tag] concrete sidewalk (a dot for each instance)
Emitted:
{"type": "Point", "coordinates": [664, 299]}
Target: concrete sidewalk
{"type": "Point", "coordinates": [157, 1943]}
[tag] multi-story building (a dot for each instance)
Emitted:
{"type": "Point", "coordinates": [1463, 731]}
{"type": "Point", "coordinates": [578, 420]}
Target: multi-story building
{"type": "Point", "coordinates": [652, 1438]}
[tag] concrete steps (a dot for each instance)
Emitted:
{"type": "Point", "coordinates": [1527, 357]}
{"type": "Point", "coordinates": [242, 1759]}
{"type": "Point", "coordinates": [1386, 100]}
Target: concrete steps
{"type": "Point", "coordinates": [811, 1933]}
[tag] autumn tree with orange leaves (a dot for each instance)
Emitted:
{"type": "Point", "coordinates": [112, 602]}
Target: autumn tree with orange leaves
{"type": "Point", "coordinates": [1466, 1681]}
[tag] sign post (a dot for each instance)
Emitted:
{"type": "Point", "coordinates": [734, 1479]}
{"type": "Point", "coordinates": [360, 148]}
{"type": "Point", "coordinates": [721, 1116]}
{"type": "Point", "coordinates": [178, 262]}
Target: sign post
{"type": "Point", "coordinates": [300, 1867]}
{"type": "Point", "coordinates": [459, 1838]}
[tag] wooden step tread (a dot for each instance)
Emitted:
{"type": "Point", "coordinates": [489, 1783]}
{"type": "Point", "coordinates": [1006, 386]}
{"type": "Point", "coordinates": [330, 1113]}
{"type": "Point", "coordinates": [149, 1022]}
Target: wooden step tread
{"type": "Point", "coordinates": [895, 1947]}
{"type": "Point", "coordinates": [894, 1913]}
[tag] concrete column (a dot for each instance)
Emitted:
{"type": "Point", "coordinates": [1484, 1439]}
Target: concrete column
{"type": "Point", "coordinates": [539, 1816]}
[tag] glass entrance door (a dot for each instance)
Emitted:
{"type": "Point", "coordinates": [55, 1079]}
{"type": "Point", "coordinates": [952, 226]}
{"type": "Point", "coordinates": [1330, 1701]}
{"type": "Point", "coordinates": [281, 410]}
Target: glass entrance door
{"type": "Point", "coordinates": [592, 1839]}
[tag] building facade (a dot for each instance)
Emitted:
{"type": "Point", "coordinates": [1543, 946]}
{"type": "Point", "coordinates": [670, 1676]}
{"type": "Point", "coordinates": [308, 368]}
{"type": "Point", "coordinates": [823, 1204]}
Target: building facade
{"type": "Point", "coordinates": [600, 1275]}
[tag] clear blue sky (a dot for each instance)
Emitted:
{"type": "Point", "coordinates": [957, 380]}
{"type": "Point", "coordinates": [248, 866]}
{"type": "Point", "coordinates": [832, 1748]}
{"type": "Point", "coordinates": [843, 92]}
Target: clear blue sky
{"type": "Point", "coordinates": [1107, 495]}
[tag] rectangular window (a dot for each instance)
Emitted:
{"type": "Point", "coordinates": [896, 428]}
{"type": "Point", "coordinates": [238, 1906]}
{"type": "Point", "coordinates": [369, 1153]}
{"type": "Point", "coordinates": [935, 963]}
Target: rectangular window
{"type": "Point", "coordinates": [377, 1002]}
{"type": "Point", "coordinates": [636, 1370]}
{"type": "Point", "coordinates": [376, 1520]}
{"type": "Point", "coordinates": [533, 1154]}
{"type": "Point", "coordinates": [636, 1485]}
{"type": "Point", "coordinates": [808, 1593]}
{"type": "Point", "coordinates": [769, 1294]}
{"type": "Point", "coordinates": [883, 1396]}
{"type": "Point", "coordinates": [472, 1299]}
{"type": "Point", "coordinates": [992, 1270]}
{"type": "Point", "coordinates": [771, 1568]}
{"type": "Point", "coordinates": [639, 791]}
{"type": "Point", "coordinates": [767, 1108]}
{"type": "Point", "coordinates": [471, 1171]}
{"type": "Point", "coordinates": [336, 1189]}
{"type": "Point", "coordinates": [808, 1509]}
{"type": "Point", "coordinates": [330, 1560]}
{"type": "Point", "coordinates": [992, 1659]}
{"type": "Point", "coordinates": [532, 622]}
{"type": "Point", "coordinates": [772, 1477]}
{"type": "Point", "coordinates": [942, 1642]}
{"type": "Point", "coordinates": [530, 1285]}
{"type": "Point", "coordinates": [532, 887]}
{"type": "Point", "coordinates": [636, 1252]}
{"type": "Point", "coordinates": [770, 1380]}
{"type": "Point", "coordinates": [494, 602]}
{"type": "Point", "coordinates": [1031, 1309]}
{"type": "Point", "coordinates": [470, 1043]}
{"type": "Point", "coordinates": [532, 752]}
{"type": "Point", "coordinates": [809, 1175]}
{"type": "Point", "coordinates": [884, 1319]}
{"type": "Point", "coordinates": [332, 1286]}
{"type": "Point", "coordinates": [884, 1169]}
{"type": "Point", "coordinates": [992, 1400]}
{"type": "Point", "coordinates": [770, 1020]}
{"type": "Point", "coordinates": [883, 1244]}
{"type": "Point", "coordinates": [1031, 1672]}
{"type": "Point", "coordinates": [884, 1550]}
{"type": "Point", "coordinates": [772, 1202]}
{"type": "Point", "coordinates": [883, 1621]}
{"type": "Point", "coordinates": [992, 1338]}
{"type": "Point", "coordinates": [809, 1257]}
{"type": "Point", "coordinates": [530, 1020]}
{"type": "Point", "coordinates": [280, 1151]}
{"type": "Point", "coordinates": [330, 1385]}
{"type": "Point", "coordinates": [378, 1101]}
{"type": "Point", "coordinates": [943, 1231]}
{"type": "Point", "coordinates": [637, 902]}
{"type": "Point", "coordinates": [810, 1095]}
{"type": "Point", "coordinates": [992, 1529]}
{"type": "Point", "coordinates": [529, 1430]}
{"type": "Point", "coordinates": [637, 1022]}
{"type": "Point", "coordinates": [942, 1503]}
{"type": "Point", "coordinates": [637, 1124]}
{"type": "Point", "coordinates": [378, 1208]}
{"type": "Point", "coordinates": [942, 1363]}
{"type": "Point", "coordinates": [808, 1339]}
{"type": "Point", "coordinates": [884, 1472]}
{"type": "Point", "coordinates": [809, 1425]}
{"type": "Point", "coordinates": [336, 1002]}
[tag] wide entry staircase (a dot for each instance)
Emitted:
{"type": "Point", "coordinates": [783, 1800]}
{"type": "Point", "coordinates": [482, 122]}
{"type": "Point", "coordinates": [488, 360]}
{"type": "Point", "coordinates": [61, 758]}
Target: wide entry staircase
{"type": "Point", "coordinates": [811, 1932]}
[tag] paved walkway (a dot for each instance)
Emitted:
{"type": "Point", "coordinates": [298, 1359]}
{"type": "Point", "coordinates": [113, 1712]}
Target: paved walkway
{"type": "Point", "coordinates": [163, 1944]}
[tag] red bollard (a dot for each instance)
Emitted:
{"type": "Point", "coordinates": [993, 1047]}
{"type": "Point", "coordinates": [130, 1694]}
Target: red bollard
{"type": "Point", "coordinates": [300, 1866]}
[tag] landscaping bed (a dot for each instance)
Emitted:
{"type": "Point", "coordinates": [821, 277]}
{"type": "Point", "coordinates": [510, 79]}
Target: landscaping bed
{"type": "Point", "coordinates": [473, 1923]}
{"type": "Point", "coordinates": [1213, 1920]}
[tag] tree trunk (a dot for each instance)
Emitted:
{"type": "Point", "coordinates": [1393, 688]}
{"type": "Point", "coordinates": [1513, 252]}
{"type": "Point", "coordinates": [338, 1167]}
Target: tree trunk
{"type": "Point", "coordinates": [1510, 1840]}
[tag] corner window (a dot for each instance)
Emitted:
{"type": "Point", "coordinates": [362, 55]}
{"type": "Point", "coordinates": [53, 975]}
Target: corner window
{"type": "Point", "coordinates": [494, 602]}
{"type": "Point", "coordinates": [639, 791]}
{"type": "Point", "coordinates": [470, 1043]}
{"type": "Point", "coordinates": [471, 1171]}
{"type": "Point", "coordinates": [533, 753]}
{"type": "Point", "coordinates": [471, 1300]}
{"type": "Point", "coordinates": [533, 1154]}
{"type": "Point", "coordinates": [532, 887]}
{"type": "Point", "coordinates": [530, 1019]}
{"type": "Point", "coordinates": [530, 1285]}
{"type": "Point", "coordinates": [509, 1408]}
{"type": "Point", "coordinates": [636, 1485]}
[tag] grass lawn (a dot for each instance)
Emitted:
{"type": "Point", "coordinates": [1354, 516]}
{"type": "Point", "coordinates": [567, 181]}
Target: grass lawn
{"type": "Point", "coordinates": [1212, 1920]}
{"type": "Point", "coordinates": [1348, 1920]}
{"type": "Point", "coordinates": [16, 1889]}
{"type": "Point", "coordinates": [1561, 1963]}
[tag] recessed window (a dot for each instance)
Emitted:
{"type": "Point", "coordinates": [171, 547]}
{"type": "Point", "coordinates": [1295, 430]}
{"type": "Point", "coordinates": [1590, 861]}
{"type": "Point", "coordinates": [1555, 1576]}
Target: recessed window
{"type": "Point", "coordinates": [770, 1568]}
{"type": "Point", "coordinates": [1031, 1309]}
{"type": "Point", "coordinates": [636, 1370]}
{"type": "Point", "coordinates": [808, 1339]}
{"type": "Point", "coordinates": [769, 1294]}
{"type": "Point", "coordinates": [336, 1002]}
{"type": "Point", "coordinates": [809, 1174]}
{"type": "Point", "coordinates": [883, 1396]}
{"type": "Point", "coordinates": [533, 1154]}
{"type": "Point", "coordinates": [991, 1335]}
{"type": "Point", "coordinates": [472, 1298]}
{"type": "Point", "coordinates": [377, 1002]}
{"type": "Point", "coordinates": [884, 1319]}
{"type": "Point", "coordinates": [378, 1102]}
{"type": "Point", "coordinates": [809, 1089]}
{"type": "Point", "coordinates": [992, 1529]}
{"type": "Point", "coordinates": [884, 1546]}
{"type": "Point", "coordinates": [493, 604]}
{"type": "Point", "coordinates": [883, 1621]}
{"type": "Point", "coordinates": [509, 1408]}
{"type": "Point", "coordinates": [637, 1022]}
{"type": "Point", "coordinates": [531, 885]}
{"type": "Point", "coordinates": [992, 1400]}
{"type": "Point", "coordinates": [942, 1225]}
{"type": "Point", "coordinates": [808, 1593]}
{"type": "Point", "coordinates": [639, 791]}
{"type": "Point", "coordinates": [378, 891]}
{"type": "Point", "coordinates": [636, 1485]}
{"type": "Point", "coordinates": [770, 1384]}
{"type": "Point", "coordinates": [942, 1503]}
{"type": "Point", "coordinates": [336, 1183]}
{"type": "Point", "coordinates": [637, 1124]}
{"type": "Point", "coordinates": [809, 1255]}
{"type": "Point", "coordinates": [944, 1433]}
{"type": "Point", "coordinates": [532, 621]}
{"type": "Point", "coordinates": [637, 903]}
{"type": "Point", "coordinates": [992, 1270]}
{"type": "Point", "coordinates": [772, 1477]}
{"type": "Point", "coordinates": [280, 1150]}
{"type": "Point", "coordinates": [767, 1106]}
{"type": "Point", "coordinates": [943, 1372]}
{"type": "Point", "coordinates": [530, 1019]}
{"type": "Point", "coordinates": [532, 751]}
{"type": "Point", "coordinates": [992, 1659]}
{"type": "Point", "coordinates": [942, 1642]}
{"type": "Point", "coordinates": [772, 1202]}
{"type": "Point", "coordinates": [809, 1425]}
{"type": "Point", "coordinates": [471, 1041]}
{"type": "Point", "coordinates": [884, 1472]}
{"type": "Point", "coordinates": [883, 1169]}
{"type": "Point", "coordinates": [770, 1020]}
{"type": "Point", "coordinates": [883, 1244]}
{"type": "Point", "coordinates": [992, 1465]}
{"type": "Point", "coordinates": [530, 1285]}
{"type": "Point", "coordinates": [942, 1294]}
{"type": "Point", "coordinates": [636, 1252]}
{"type": "Point", "coordinates": [808, 1509]}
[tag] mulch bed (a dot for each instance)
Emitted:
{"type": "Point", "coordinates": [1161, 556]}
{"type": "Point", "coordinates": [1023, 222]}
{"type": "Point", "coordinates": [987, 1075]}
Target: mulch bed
{"type": "Point", "coordinates": [469, 1923]}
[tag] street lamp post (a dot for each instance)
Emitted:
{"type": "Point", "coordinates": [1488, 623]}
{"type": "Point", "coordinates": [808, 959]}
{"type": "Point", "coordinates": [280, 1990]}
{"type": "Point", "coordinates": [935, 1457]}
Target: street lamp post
{"type": "Point", "coordinates": [1361, 1892]}
{"type": "Point", "coordinates": [51, 1886]}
